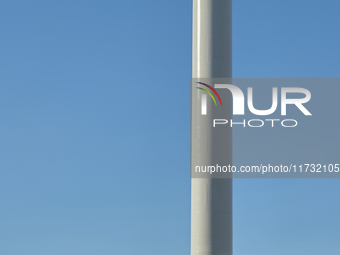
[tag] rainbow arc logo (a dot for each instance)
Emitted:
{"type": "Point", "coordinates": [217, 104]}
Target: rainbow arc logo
{"type": "Point", "coordinates": [204, 97]}
{"type": "Point", "coordinates": [209, 93]}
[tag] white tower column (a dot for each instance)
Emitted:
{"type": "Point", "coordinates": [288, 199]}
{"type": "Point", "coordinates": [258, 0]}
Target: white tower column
{"type": "Point", "coordinates": [211, 199]}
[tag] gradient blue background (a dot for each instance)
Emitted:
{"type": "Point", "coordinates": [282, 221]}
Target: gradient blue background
{"type": "Point", "coordinates": [94, 120]}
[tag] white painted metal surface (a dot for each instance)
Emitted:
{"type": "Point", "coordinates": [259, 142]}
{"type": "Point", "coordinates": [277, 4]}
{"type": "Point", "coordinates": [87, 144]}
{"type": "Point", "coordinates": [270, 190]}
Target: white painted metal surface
{"type": "Point", "coordinates": [211, 199]}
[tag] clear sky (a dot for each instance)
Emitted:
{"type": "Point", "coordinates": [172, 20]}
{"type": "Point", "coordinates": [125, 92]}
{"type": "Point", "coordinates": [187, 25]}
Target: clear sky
{"type": "Point", "coordinates": [94, 150]}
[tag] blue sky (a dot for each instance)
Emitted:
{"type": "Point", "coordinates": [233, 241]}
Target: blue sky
{"type": "Point", "coordinates": [94, 151]}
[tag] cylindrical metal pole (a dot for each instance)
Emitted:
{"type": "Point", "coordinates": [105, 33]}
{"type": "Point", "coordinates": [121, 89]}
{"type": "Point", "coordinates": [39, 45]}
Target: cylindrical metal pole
{"type": "Point", "coordinates": [211, 199]}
